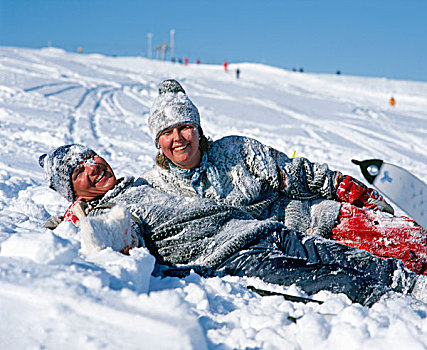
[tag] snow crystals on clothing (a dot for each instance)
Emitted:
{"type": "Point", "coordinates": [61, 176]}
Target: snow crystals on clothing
{"type": "Point", "coordinates": [53, 297]}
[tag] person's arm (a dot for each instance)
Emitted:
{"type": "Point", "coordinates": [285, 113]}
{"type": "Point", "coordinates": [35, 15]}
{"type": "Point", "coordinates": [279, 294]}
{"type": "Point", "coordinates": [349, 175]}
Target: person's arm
{"type": "Point", "coordinates": [103, 227]}
{"type": "Point", "coordinates": [53, 222]}
{"type": "Point", "coordinates": [301, 177]}
{"type": "Point", "coordinates": [355, 192]}
{"type": "Point", "coordinates": [112, 228]}
{"type": "Point", "coordinates": [109, 227]}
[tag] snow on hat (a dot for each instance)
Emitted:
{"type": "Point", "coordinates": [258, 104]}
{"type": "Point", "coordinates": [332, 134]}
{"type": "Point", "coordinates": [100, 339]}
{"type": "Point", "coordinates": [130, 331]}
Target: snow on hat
{"type": "Point", "coordinates": [171, 108]}
{"type": "Point", "coordinates": [59, 166]}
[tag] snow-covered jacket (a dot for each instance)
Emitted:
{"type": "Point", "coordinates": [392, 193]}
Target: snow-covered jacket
{"type": "Point", "coordinates": [242, 172]}
{"type": "Point", "coordinates": [182, 230]}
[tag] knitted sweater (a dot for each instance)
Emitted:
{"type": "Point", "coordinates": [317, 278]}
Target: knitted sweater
{"type": "Point", "coordinates": [264, 182]}
{"type": "Point", "coordinates": [182, 230]}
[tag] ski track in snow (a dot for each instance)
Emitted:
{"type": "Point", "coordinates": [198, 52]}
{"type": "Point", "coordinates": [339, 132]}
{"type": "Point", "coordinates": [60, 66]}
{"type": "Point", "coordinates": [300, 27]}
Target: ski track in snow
{"type": "Point", "coordinates": [52, 297]}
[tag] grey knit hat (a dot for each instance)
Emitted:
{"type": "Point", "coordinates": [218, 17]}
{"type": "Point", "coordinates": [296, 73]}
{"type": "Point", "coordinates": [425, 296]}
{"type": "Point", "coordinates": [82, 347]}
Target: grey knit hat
{"type": "Point", "coordinates": [171, 108]}
{"type": "Point", "coordinates": [59, 165]}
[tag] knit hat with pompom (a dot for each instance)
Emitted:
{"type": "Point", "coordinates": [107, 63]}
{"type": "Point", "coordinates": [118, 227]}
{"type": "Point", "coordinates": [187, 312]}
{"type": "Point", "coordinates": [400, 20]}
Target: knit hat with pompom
{"type": "Point", "coordinates": [171, 108]}
{"type": "Point", "coordinates": [59, 164]}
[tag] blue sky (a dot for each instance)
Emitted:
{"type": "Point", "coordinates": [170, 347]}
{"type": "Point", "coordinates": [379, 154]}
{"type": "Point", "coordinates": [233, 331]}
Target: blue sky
{"type": "Point", "coordinates": [365, 37]}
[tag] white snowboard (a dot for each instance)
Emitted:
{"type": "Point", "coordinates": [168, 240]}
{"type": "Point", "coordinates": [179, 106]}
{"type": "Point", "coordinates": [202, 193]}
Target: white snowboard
{"type": "Point", "coordinates": [398, 184]}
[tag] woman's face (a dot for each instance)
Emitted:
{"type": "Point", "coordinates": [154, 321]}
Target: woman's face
{"type": "Point", "coordinates": [180, 145]}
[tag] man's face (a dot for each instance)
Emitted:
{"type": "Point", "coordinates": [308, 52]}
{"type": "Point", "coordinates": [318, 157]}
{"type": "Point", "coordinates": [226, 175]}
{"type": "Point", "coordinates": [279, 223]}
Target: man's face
{"type": "Point", "coordinates": [92, 178]}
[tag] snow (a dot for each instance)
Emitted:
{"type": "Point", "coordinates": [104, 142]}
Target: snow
{"type": "Point", "coordinates": [53, 297]}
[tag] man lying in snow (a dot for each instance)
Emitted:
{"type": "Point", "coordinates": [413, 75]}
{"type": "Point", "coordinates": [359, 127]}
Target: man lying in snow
{"type": "Point", "coordinates": [212, 238]}
{"type": "Point", "coordinates": [305, 196]}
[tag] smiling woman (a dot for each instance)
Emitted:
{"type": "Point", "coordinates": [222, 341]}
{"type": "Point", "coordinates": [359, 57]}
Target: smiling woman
{"type": "Point", "coordinates": [307, 197]}
{"type": "Point", "coordinates": [180, 145]}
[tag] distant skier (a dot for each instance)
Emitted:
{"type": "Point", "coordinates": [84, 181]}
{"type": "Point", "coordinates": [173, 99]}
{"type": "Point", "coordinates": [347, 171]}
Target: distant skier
{"type": "Point", "coordinates": [225, 64]}
{"type": "Point", "coordinates": [237, 73]}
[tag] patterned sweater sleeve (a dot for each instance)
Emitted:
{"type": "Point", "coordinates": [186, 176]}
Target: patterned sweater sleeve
{"type": "Point", "coordinates": [301, 179]}
{"type": "Point", "coordinates": [298, 177]}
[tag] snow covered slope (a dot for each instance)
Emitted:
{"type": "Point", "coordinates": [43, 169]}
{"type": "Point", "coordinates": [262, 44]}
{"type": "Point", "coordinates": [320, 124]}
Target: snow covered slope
{"type": "Point", "coordinates": [53, 298]}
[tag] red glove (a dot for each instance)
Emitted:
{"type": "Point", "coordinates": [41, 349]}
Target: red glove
{"type": "Point", "coordinates": [352, 191]}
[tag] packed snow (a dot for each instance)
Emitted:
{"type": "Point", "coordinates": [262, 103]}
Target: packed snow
{"type": "Point", "coordinates": [53, 297]}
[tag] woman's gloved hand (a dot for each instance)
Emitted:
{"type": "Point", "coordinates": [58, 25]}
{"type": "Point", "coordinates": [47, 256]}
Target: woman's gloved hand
{"type": "Point", "coordinates": [352, 191]}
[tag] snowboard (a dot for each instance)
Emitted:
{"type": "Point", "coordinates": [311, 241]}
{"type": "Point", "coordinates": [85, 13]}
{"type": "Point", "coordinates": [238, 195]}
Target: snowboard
{"type": "Point", "coordinates": [399, 185]}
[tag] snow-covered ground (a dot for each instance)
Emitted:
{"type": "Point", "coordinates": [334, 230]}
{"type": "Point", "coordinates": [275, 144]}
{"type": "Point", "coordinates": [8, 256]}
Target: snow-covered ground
{"type": "Point", "coordinates": [52, 297]}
